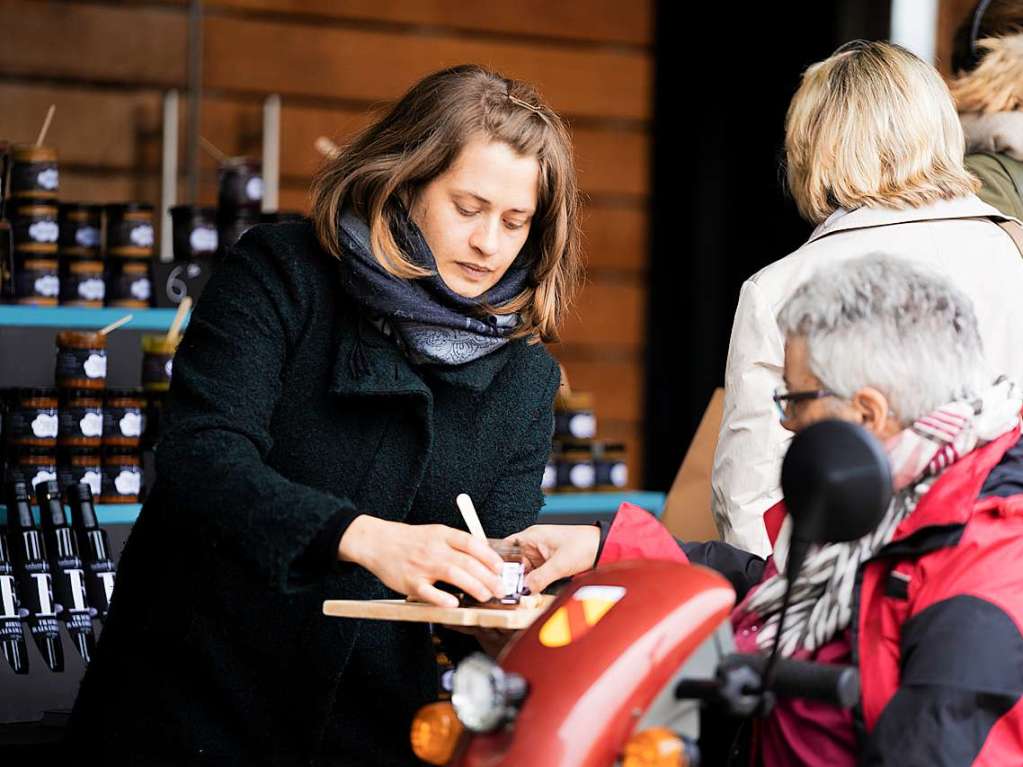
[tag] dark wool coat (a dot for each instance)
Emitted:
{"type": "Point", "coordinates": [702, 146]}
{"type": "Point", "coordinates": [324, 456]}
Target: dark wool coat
{"type": "Point", "coordinates": [287, 410]}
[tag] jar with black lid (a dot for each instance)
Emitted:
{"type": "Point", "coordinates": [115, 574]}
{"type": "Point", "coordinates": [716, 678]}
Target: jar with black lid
{"type": "Point", "coordinates": [574, 416]}
{"type": "Point", "coordinates": [575, 467]}
{"type": "Point", "coordinates": [80, 464]}
{"type": "Point", "coordinates": [123, 417]}
{"type": "Point", "coordinates": [81, 360]}
{"type": "Point", "coordinates": [80, 230]}
{"type": "Point", "coordinates": [34, 174]}
{"type": "Point", "coordinates": [81, 418]}
{"type": "Point", "coordinates": [610, 471]}
{"type": "Point", "coordinates": [122, 475]}
{"type": "Point", "coordinates": [32, 465]}
{"type": "Point", "coordinates": [31, 417]}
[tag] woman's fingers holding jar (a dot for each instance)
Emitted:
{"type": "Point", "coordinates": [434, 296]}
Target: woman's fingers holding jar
{"type": "Point", "coordinates": [480, 550]}
{"type": "Point", "coordinates": [467, 574]}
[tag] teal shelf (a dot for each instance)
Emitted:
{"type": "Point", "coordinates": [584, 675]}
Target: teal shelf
{"type": "Point", "coordinates": [569, 504]}
{"type": "Point", "coordinates": [106, 514]}
{"type": "Point", "coordinates": [582, 504]}
{"type": "Point", "coordinates": [77, 317]}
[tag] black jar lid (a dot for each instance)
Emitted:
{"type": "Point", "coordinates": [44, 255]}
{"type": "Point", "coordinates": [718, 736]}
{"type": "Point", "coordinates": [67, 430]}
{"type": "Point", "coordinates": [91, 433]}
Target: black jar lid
{"type": "Point", "coordinates": [127, 393]}
{"type": "Point", "coordinates": [120, 208]}
{"type": "Point", "coordinates": [30, 392]}
{"type": "Point", "coordinates": [85, 207]}
{"type": "Point", "coordinates": [69, 394]}
{"type": "Point", "coordinates": [66, 451]}
{"type": "Point", "coordinates": [201, 211]}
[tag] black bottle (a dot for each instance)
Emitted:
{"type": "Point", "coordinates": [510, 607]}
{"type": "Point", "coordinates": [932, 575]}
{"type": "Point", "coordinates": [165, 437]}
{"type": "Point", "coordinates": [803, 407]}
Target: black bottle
{"type": "Point", "coordinates": [66, 566]}
{"type": "Point", "coordinates": [12, 637]}
{"type": "Point", "coordinates": [94, 547]}
{"type": "Point", "coordinates": [32, 573]}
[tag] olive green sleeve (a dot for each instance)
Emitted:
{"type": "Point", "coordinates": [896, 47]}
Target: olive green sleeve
{"type": "Point", "coordinates": [997, 188]}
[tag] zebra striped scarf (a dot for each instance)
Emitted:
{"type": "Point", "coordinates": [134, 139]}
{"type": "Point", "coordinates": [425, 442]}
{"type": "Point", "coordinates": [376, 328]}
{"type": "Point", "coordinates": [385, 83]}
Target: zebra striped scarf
{"type": "Point", "coordinates": [821, 605]}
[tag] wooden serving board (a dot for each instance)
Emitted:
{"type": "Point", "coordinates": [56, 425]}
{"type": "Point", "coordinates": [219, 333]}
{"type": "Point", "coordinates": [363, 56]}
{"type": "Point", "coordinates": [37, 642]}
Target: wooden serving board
{"type": "Point", "coordinates": [419, 612]}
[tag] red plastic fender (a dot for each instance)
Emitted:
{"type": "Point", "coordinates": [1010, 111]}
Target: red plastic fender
{"type": "Point", "coordinates": [596, 659]}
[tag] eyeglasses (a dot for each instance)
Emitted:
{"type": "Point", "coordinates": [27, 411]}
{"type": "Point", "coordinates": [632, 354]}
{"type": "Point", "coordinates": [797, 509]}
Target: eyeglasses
{"type": "Point", "coordinates": [783, 398]}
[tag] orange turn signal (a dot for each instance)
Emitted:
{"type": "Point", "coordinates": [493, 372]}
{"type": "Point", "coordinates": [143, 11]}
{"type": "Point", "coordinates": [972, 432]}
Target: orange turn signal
{"type": "Point", "coordinates": [656, 747]}
{"type": "Point", "coordinates": [435, 733]}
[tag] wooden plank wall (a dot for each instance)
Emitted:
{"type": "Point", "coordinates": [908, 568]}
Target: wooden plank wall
{"type": "Point", "coordinates": [334, 63]}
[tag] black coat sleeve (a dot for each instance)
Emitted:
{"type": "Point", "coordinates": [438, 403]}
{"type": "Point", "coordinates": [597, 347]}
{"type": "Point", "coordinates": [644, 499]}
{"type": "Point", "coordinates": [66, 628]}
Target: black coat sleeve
{"type": "Point", "coordinates": [211, 459]}
{"type": "Point", "coordinates": [962, 670]}
{"type": "Point", "coordinates": [517, 497]}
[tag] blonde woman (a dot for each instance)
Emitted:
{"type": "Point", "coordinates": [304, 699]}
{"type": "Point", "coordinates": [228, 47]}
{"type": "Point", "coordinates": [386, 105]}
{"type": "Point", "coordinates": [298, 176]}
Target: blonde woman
{"type": "Point", "coordinates": [874, 154]}
{"type": "Point", "coordinates": [988, 88]}
{"type": "Point", "coordinates": [340, 383]}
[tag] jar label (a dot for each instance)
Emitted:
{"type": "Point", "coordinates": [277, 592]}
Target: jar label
{"type": "Point", "coordinates": [512, 577]}
{"type": "Point", "coordinates": [81, 363]}
{"type": "Point", "coordinates": [582, 426]}
{"type": "Point", "coordinates": [140, 289]}
{"type": "Point", "coordinates": [43, 475]}
{"type": "Point", "coordinates": [128, 482]}
{"type": "Point", "coordinates": [92, 289]}
{"type": "Point", "coordinates": [87, 236]}
{"type": "Point", "coordinates": [47, 286]}
{"type": "Point", "coordinates": [203, 239]}
{"type": "Point", "coordinates": [123, 422]}
{"type": "Point", "coordinates": [48, 178]}
{"type": "Point", "coordinates": [31, 423]}
{"type": "Point", "coordinates": [81, 422]}
{"type": "Point", "coordinates": [619, 475]}
{"type": "Point", "coordinates": [141, 236]}
{"type": "Point", "coordinates": [44, 425]}
{"type": "Point", "coordinates": [74, 475]}
{"type": "Point", "coordinates": [254, 188]}
{"type": "Point", "coordinates": [581, 475]}
{"type": "Point", "coordinates": [43, 231]}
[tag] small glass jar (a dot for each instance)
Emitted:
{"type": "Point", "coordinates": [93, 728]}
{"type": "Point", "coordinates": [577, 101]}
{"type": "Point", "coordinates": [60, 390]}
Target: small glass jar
{"type": "Point", "coordinates": [129, 283]}
{"type": "Point", "coordinates": [195, 232]}
{"type": "Point", "coordinates": [81, 418]}
{"type": "Point", "coordinates": [32, 465]}
{"type": "Point", "coordinates": [122, 475]}
{"type": "Point", "coordinates": [31, 417]}
{"type": "Point", "coordinates": [574, 416]}
{"type": "Point", "coordinates": [130, 230]}
{"type": "Point", "coordinates": [124, 417]}
{"type": "Point", "coordinates": [81, 360]}
{"type": "Point", "coordinates": [34, 174]}
{"type": "Point", "coordinates": [80, 464]}
{"type": "Point", "coordinates": [157, 362]}
{"type": "Point", "coordinates": [575, 467]}
{"type": "Point", "coordinates": [35, 280]}
{"type": "Point", "coordinates": [80, 230]}
{"type": "Point", "coordinates": [513, 573]}
{"type": "Point", "coordinates": [240, 185]}
{"type": "Point", "coordinates": [610, 471]}
{"type": "Point", "coordinates": [81, 282]}
{"type": "Point", "coordinates": [35, 228]}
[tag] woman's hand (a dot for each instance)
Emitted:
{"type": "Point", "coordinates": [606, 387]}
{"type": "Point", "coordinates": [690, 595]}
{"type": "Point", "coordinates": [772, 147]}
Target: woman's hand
{"type": "Point", "coordinates": [556, 551]}
{"type": "Point", "coordinates": [411, 558]}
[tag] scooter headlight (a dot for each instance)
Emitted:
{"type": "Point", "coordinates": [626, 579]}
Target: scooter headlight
{"type": "Point", "coordinates": [484, 696]}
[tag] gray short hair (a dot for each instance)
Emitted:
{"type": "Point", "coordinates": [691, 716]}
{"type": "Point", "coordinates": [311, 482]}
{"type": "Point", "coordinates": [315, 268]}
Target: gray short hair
{"type": "Point", "coordinates": [879, 321]}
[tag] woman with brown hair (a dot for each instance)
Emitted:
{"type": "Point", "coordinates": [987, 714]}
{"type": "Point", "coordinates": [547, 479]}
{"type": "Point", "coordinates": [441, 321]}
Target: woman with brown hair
{"type": "Point", "coordinates": [338, 386]}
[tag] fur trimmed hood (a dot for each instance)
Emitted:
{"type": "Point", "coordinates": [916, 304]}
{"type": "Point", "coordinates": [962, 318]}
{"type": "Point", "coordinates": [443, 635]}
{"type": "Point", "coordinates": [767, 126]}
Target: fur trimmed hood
{"type": "Point", "coordinates": [990, 98]}
{"type": "Point", "coordinates": [996, 84]}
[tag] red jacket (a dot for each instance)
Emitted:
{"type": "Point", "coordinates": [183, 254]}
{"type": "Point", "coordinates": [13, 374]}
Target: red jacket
{"type": "Point", "coordinates": [938, 615]}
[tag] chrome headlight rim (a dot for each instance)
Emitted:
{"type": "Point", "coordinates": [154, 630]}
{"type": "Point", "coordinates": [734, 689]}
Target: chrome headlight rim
{"type": "Point", "coordinates": [480, 669]}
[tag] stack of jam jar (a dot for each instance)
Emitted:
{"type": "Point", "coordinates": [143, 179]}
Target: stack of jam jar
{"type": "Point", "coordinates": [80, 254]}
{"type": "Point", "coordinates": [239, 199]}
{"type": "Point", "coordinates": [579, 462]}
{"type": "Point", "coordinates": [130, 238]}
{"type": "Point", "coordinates": [78, 431]}
{"type": "Point", "coordinates": [30, 248]}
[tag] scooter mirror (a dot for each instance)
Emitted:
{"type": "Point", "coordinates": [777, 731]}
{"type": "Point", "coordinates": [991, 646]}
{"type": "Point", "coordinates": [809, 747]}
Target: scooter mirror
{"type": "Point", "coordinates": [837, 482]}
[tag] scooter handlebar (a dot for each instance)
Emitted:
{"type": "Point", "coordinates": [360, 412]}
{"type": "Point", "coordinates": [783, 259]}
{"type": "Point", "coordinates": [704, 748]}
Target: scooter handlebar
{"type": "Point", "coordinates": [831, 683]}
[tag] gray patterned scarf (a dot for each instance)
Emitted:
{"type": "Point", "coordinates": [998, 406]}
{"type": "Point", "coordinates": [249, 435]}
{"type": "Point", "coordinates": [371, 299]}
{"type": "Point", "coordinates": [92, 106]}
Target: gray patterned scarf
{"type": "Point", "coordinates": [822, 595]}
{"type": "Point", "coordinates": [432, 324]}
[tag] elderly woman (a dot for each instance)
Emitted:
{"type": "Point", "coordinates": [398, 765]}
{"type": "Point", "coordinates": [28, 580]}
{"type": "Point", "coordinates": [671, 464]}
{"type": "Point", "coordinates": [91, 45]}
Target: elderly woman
{"type": "Point", "coordinates": [929, 605]}
{"type": "Point", "coordinates": [875, 158]}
